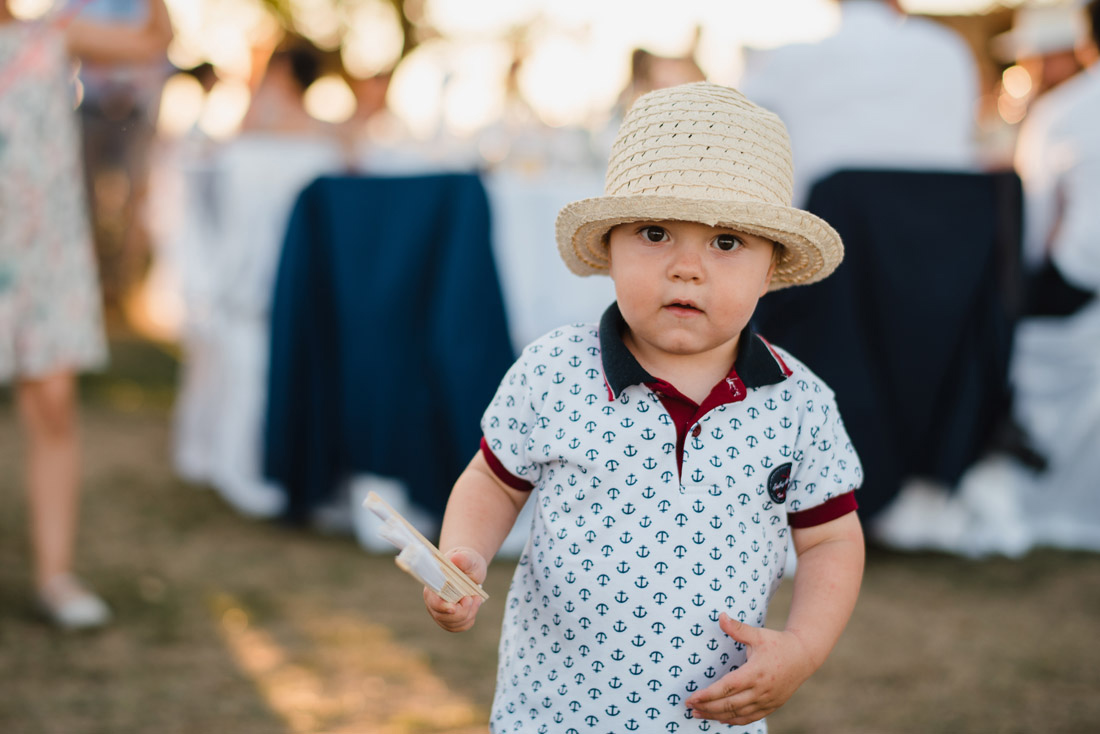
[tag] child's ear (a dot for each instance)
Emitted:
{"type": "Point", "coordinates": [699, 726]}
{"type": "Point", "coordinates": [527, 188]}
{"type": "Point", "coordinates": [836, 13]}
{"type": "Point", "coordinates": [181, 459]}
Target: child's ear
{"type": "Point", "coordinates": [777, 256]}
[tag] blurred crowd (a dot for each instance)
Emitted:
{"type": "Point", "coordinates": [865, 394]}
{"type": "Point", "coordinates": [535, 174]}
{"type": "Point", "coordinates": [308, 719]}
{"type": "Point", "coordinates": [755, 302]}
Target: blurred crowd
{"type": "Point", "coordinates": [169, 171]}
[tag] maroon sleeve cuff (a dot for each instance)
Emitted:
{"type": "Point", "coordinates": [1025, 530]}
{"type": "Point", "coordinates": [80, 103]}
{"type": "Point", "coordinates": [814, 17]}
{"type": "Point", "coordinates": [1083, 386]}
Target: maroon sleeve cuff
{"type": "Point", "coordinates": [823, 513]}
{"type": "Point", "coordinates": [501, 473]}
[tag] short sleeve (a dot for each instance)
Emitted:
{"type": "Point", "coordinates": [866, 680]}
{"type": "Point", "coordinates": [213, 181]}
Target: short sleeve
{"type": "Point", "coordinates": [509, 421]}
{"type": "Point", "coordinates": [826, 464]}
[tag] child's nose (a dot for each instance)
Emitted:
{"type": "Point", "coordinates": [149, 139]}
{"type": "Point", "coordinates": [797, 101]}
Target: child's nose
{"type": "Point", "coordinates": [687, 264]}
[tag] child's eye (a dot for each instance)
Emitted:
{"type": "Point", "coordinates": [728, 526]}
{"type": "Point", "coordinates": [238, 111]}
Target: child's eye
{"type": "Point", "coordinates": [654, 233]}
{"type": "Point", "coordinates": [727, 242]}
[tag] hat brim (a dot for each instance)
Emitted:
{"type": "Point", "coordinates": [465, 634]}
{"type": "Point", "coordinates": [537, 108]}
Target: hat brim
{"type": "Point", "coordinates": [812, 249]}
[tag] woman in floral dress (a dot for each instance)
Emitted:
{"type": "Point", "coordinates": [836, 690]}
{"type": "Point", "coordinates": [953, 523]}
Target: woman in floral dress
{"type": "Point", "coordinates": [50, 308]}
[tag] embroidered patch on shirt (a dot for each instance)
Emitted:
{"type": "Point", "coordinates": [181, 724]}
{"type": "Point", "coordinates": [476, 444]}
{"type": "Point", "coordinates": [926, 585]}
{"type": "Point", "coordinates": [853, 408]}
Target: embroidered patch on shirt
{"type": "Point", "coordinates": [778, 482]}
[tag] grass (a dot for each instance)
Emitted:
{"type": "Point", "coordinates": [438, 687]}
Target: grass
{"type": "Point", "coordinates": [231, 625]}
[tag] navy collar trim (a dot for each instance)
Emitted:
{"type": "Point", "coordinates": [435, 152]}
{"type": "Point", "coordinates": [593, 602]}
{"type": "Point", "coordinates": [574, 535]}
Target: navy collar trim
{"type": "Point", "coordinates": [757, 364]}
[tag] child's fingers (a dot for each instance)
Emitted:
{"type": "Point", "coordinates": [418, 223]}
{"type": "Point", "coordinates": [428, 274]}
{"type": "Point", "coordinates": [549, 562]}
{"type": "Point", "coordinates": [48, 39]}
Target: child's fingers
{"type": "Point", "coordinates": [733, 699]}
{"type": "Point", "coordinates": [740, 704]}
{"type": "Point", "coordinates": [437, 604]}
{"type": "Point", "coordinates": [737, 715]}
{"type": "Point", "coordinates": [461, 558]}
{"type": "Point", "coordinates": [739, 631]}
{"type": "Point", "coordinates": [470, 562]}
{"type": "Point", "coordinates": [729, 686]}
{"type": "Point", "coordinates": [452, 616]}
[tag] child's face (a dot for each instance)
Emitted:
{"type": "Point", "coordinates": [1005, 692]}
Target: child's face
{"type": "Point", "coordinates": [686, 288]}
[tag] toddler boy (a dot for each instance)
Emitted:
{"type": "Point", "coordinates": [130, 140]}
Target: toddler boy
{"type": "Point", "coordinates": [670, 451]}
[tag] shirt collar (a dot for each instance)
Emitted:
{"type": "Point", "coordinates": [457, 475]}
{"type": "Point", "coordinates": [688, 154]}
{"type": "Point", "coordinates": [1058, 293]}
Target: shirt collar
{"type": "Point", "coordinates": [757, 365]}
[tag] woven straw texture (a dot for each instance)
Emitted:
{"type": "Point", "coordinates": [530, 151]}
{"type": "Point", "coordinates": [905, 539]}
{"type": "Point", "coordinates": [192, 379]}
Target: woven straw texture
{"type": "Point", "coordinates": [701, 153]}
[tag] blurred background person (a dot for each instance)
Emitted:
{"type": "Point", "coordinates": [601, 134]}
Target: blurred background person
{"type": "Point", "coordinates": [1041, 489]}
{"type": "Point", "coordinates": [1056, 360]}
{"type": "Point", "coordinates": [278, 104]}
{"type": "Point", "coordinates": [520, 139]}
{"type": "Point", "coordinates": [1049, 42]}
{"type": "Point", "coordinates": [370, 96]}
{"type": "Point", "coordinates": [373, 122]}
{"type": "Point", "coordinates": [650, 71]}
{"type": "Point", "coordinates": [376, 140]}
{"type": "Point", "coordinates": [50, 307]}
{"type": "Point", "coordinates": [885, 91]}
{"type": "Point", "coordinates": [119, 104]}
{"type": "Point", "coordinates": [888, 92]}
{"type": "Point", "coordinates": [1039, 51]}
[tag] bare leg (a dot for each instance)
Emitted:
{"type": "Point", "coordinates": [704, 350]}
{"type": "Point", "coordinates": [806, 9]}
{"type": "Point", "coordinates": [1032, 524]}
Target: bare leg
{"type": "Point", "coordinates": [48, 410]}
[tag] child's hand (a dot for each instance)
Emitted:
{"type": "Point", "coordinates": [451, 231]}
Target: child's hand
{"type": "Point", "coordinates": [458, 617]}
{"type": "Point", "coordinates": [777, 665]}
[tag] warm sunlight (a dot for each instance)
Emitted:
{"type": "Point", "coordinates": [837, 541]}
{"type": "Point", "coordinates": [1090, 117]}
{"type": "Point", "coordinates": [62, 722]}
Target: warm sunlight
{"type": "Point", "coordinates": [576, 53]}
{"type": "Point", "coordinates": [389, 691]}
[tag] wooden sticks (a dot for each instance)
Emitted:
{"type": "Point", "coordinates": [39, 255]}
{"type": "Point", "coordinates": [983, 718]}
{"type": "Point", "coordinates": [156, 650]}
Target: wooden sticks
{"type": "Point", "coordinates": [419, 557]}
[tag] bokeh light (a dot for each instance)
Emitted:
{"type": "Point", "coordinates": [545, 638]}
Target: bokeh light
{"type": "Point", "coordinates": [553, 80]}
{"type": "Point", "coordinates": [1011, 109]}
{"type": "Point", "coordinates": [330, 99]}
{"type": "Point", "coordinates": [181, 104]}
{"type": "Point", "coordinates": [225, 107]}
{"type": "Point", "coordinates": [574, 54]}
{"type": "Point", "coordinates": [474, 94]}
{"type": "Point", "coordinates": [222, 32]}
{"type": "Point", "coordinates": [318, 20]}
{"type": "Point", "coordinates": [374, 39]}
{"type": "Point", "coordinates": [416, 91]}
{"type": "Point", "coordinates": [952, 7]}
{"type": "Point", "coordinates": [1017, 81]}
{"type": "Point", "coordinates": [480, 18]}
{"type": "Point", "coordinates": [29, 9]}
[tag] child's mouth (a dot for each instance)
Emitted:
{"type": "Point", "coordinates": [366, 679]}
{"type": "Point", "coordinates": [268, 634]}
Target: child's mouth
{"type": "Point", "coordinates": [683, 307]}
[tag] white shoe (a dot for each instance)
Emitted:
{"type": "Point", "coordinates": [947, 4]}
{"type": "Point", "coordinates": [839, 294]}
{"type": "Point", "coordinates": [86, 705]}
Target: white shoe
{"type": "Point", "coordinates": [924, 516]}
{"type": "Point", "coordinates": [993, 493]}
{"type": "Point", "coordinates": [68, 604]}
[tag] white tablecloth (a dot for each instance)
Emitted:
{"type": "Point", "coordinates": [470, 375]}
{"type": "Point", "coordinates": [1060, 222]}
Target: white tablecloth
{"type": "Point", "coordinates": [241, 204]}
{"type": "Point", "coordinates": [540, 293]}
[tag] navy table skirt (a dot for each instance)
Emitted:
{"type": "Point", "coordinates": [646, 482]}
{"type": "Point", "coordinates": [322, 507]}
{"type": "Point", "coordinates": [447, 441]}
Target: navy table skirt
{"type": "Point", "coordinates": [388, 336]}
{"type": "Point", "coordinates": [914, 329]}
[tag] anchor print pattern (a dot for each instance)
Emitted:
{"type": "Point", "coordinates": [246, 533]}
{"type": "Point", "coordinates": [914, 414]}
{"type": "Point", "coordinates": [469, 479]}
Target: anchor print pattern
{"type": "Point", "coordinates": [611, 621]}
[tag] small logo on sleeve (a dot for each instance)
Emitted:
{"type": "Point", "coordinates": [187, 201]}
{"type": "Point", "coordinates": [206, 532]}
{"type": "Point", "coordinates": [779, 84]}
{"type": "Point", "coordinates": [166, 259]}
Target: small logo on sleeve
{"type": "Point", "coordinates": [778, 482]}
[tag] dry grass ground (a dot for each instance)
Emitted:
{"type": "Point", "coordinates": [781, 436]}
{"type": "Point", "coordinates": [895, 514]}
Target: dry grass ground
{"type": "Point", "coordinates": [230, 625]}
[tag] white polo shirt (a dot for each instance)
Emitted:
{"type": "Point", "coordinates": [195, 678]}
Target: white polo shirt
{"type": "Point", "coordinates": [612, 618]}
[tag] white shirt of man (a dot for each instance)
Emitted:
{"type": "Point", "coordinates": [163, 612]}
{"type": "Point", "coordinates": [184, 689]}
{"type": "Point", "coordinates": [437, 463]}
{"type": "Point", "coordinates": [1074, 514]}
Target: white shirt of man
{"type": "Point", "coordinates": [1058, 159]}
{"type": "Point", "coordinates": [885, 91]}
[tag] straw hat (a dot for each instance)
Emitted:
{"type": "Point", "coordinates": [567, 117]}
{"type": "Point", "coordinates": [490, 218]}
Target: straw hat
{"type": "Point", "coordinates": [701, 153]}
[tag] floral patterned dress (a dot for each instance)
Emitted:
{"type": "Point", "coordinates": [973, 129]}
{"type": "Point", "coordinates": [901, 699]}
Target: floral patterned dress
{"type": "Point", "coordinates": [50, 307]}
